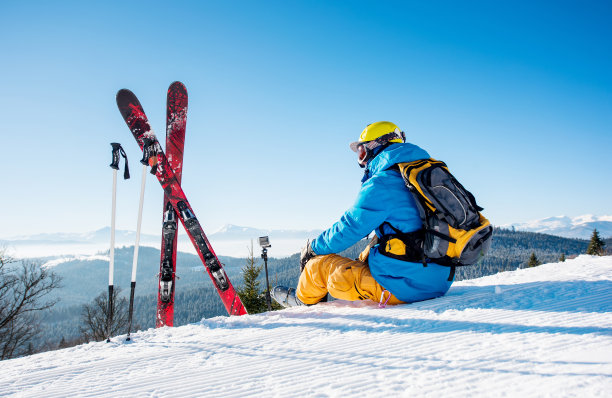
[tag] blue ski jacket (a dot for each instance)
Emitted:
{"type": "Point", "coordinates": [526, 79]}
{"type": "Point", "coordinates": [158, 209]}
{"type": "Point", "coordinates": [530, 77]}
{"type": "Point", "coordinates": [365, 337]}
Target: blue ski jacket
{"type": "Point", "coordinates": [384, 197]}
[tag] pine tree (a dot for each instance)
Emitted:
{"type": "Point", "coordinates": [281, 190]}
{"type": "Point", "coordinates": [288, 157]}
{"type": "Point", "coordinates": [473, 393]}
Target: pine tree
{"type": "Point", "coordinates": [562, 258]}
{"type": "Point", "coordinates": [62, 343]}
{"type": "Point", "coordinates": [533, 261]}
{"type": "Point", "coordinates": [251, 293]}
{"type": "Point", "coordinates": [596, 245]}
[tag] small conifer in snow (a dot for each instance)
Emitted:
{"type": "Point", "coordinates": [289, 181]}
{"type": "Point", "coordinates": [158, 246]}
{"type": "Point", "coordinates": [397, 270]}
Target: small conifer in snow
{"type": "Point", "coordinates": [596, 245]}
{"type": "Point", "coordinates": [250, 293]}
{"type": "Point", "coordinates": [533, 261]}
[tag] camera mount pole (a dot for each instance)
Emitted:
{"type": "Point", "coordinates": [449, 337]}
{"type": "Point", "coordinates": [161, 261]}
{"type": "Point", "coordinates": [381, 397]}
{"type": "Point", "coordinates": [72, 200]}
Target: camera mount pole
{"type": "Point", "coordinates": [264, 255]}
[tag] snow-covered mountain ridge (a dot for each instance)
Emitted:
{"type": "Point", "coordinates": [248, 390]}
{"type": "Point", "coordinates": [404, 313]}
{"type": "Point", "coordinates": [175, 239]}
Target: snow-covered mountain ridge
{"type": "Point", "coordinates": [544, 331]}
{"type": "Point", "coordinates": [568, 227]}
{"type": "Point", "coordinates": [233, 232]}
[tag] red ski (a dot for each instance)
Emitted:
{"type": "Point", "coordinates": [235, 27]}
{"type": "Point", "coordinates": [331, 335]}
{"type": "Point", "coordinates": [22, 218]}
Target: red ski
{"type": "Point", "coordinates": [137, 121]}
{"type": "Point", "coordinates": [176, 119]}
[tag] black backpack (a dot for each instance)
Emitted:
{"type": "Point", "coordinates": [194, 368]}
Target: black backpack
{"type": "Point", "coordinates": [454, 231]}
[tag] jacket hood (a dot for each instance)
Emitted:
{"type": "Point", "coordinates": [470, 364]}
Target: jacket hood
{"type": "Point", "coordinates": [396, 153]}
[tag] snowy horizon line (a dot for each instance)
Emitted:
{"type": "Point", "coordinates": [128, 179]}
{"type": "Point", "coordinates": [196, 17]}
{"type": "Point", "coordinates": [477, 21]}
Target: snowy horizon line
{"type": "Point", "coordinates": [243, 228]}
{"type": "Point", "coordinates": [84, 234]}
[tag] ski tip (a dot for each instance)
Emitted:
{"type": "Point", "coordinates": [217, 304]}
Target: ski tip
{"type": "Point", "coordinates": [124, 91]}
{"type": "Point", "coordinates": [176, 85]}
{"type": "Point", "coordinates": [123, 94]}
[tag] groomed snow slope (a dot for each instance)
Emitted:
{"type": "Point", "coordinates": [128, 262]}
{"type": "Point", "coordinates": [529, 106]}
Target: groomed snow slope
{"type": "Point", "coordinates": [545, 331]}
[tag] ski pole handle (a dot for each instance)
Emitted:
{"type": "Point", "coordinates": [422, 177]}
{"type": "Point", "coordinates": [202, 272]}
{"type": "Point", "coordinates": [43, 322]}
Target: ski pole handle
{"type": "Point", "coordinates": [116, 148]}
{"type": "Point", "coordinates": [149, 154]}
{"type": "Point", "coordinates": [117, 153]}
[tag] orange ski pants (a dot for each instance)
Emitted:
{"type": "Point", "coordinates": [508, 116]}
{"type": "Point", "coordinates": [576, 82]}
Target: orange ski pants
{"type": "Point", "coordinates": [343, 278]}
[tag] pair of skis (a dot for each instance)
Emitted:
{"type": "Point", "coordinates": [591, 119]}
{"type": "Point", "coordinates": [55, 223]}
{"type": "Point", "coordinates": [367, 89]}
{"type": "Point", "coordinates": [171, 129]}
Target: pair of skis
{"type": "Point", "coordinates": [168, 171]}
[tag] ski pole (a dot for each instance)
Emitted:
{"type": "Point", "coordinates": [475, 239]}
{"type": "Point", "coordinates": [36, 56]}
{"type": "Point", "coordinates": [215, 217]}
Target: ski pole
{"type": "Point", "coordinates": [148, 157]}
{"type": "Point", "coordinates": [117, 153]}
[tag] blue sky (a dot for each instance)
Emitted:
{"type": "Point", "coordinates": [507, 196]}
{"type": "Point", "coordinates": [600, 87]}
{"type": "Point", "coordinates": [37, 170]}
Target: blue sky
{"type": "Point", "coordinates": [515, 97]}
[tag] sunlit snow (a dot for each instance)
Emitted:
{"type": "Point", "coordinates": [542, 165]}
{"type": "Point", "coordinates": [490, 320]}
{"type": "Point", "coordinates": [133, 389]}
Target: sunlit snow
{"type": "Point", "coordinates": [544, 331]}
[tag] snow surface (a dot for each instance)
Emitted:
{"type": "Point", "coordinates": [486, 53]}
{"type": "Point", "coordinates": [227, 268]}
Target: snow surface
{"type": "Point", "coordinates": [545, 331]}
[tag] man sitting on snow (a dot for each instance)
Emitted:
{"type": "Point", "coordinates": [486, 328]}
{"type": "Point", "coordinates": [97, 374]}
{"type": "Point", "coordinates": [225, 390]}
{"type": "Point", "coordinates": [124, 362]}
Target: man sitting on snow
{"type": "Point", "coordinates": [383, 204]}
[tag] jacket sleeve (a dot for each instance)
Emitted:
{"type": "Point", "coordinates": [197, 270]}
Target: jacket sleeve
{"type": "Point", "coordinates": [372, 207]}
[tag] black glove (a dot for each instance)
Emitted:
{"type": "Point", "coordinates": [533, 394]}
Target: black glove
{"type": "Point", "coordinates": [307, 254]}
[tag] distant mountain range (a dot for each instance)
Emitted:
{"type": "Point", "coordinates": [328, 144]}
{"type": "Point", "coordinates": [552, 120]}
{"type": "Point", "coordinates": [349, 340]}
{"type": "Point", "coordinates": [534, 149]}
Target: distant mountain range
{"type": "Point", "coordinates": [235, 232]}
{"type": "Point", "coordinates": [235, 241]}
{"type": "Point", "coordinates": [580, 227]}
{"type": "Point", "coordinates": [61, 244]}
{"type": "Point", "coordinates": [101, 235]}
{"type": "Point", "coordinates": [230, 240]}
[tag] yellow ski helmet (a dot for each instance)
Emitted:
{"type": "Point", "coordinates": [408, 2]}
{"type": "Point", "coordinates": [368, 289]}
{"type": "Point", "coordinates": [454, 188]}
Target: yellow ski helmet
{"type": "Point", "coordinates": [374, 135]}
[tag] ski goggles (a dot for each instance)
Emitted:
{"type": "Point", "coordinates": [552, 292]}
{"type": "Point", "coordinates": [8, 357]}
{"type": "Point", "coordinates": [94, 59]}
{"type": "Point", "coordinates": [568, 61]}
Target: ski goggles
{"type": "Point", "coordinates": [362, 154]}
{"type": "Point", "coordinates": [364, 149]}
